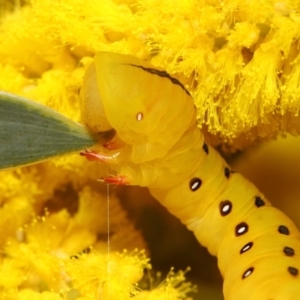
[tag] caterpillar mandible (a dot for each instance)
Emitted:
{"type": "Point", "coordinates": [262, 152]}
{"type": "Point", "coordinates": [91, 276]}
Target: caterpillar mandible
{"type": "Point", "coordinates": [158, 145]}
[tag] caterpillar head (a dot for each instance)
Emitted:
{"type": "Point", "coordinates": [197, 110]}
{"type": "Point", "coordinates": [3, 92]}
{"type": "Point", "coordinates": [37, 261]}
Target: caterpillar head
{"type": "Point", "coordinates": [137, 100]}
{"type": "Point", "coordinates": [91, 105]}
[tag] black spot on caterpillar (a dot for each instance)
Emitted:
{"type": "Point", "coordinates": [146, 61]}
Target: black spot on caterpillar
{"type": "Point", "coordinates": [225, 208]}
{"type": "Point", "coordinates": [158, 145]}
{"type": "Point", "coordinates": [205, 148]}
{"type": "Point", "coordinates": [195, 184]}
{"type": "Point", "coordinates": [246, 247]}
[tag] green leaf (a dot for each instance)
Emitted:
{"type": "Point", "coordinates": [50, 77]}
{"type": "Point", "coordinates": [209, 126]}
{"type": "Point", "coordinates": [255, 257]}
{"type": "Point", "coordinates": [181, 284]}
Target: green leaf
{"type": "Point", "coordinates": [31, 132]}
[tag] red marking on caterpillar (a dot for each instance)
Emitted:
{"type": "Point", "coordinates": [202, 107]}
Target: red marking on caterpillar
{"type": "Point", "coordinates": [116, 180]}
{"type": "Point", "coordinates": [92, 155]}
{"type": "Point", "coordinates": [257, 246]}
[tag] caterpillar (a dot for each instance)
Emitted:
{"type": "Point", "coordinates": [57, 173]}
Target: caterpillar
{"type": "Point", "coordinates": [157, 144]}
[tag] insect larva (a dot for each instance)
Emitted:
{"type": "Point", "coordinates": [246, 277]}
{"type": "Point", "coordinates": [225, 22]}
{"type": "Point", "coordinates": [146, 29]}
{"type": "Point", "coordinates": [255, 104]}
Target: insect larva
{"type": "Point", "coordinates": [160, 146]}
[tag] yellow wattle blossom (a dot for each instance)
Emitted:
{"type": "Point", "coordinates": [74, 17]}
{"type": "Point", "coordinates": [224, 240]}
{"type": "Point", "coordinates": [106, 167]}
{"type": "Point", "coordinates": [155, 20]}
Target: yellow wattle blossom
{"type": "Point", "coordinates": [240, 60]}
{"type": "Point", "coordinates": [50, 256]}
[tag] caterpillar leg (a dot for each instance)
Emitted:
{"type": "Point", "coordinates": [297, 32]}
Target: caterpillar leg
{"type": "Point", "coordinates": [101, 157]}
{"type": "Point", "coordinates": [110, 158]}
{"type": "Point", "coordinates": [113, 144]}
{"type": "Point", "coordinates": [110, 145]}
{"type": "Point", "coordinates": [116, 180]}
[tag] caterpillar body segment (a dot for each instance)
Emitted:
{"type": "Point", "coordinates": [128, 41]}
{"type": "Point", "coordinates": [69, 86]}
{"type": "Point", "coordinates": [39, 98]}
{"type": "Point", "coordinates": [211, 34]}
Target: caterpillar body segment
{"type": "Point", "coordinates": [257, 246]}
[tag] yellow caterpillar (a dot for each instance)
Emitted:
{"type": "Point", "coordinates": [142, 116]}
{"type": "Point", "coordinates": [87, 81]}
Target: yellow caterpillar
{"type": "Point", "coordinates": [158, 145]}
